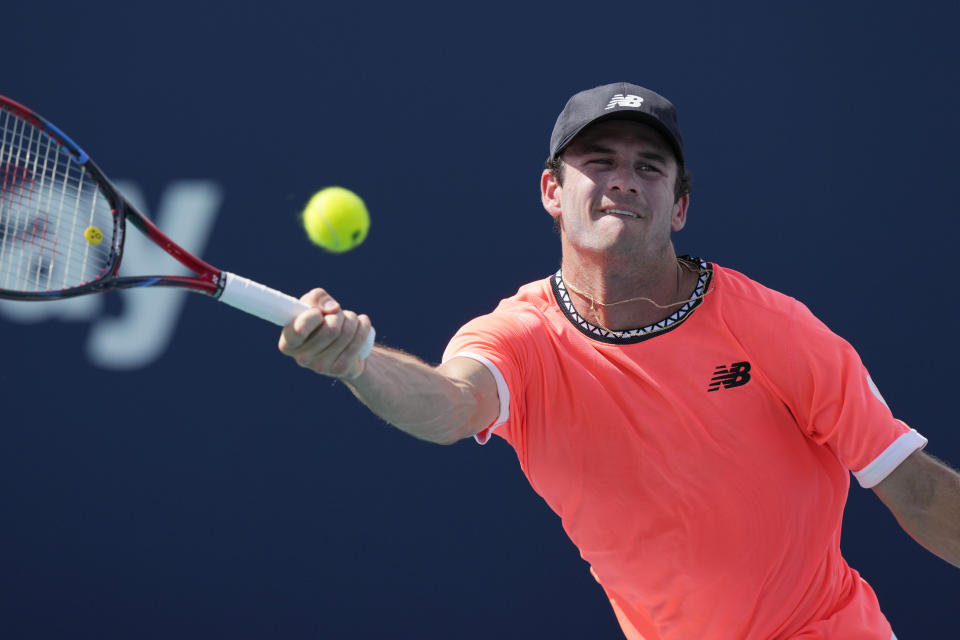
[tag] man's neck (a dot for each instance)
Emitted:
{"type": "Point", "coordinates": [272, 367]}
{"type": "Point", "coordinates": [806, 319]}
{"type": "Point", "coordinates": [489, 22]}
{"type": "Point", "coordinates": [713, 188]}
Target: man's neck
{"type": "Point", "coordinates": [623, 294]}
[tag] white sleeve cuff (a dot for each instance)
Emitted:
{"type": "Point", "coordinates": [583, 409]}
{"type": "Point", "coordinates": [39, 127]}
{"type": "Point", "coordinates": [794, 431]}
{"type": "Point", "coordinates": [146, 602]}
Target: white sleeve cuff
{"type": "Point", "coordinates": [502, 391]}
{"type": "Point", "coordinates": [874, 473]}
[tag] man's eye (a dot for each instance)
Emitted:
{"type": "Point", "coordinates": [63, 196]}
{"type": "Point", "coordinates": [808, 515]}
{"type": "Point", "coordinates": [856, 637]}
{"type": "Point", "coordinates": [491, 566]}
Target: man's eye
{"type": "Point", "coordinates": [600, 161]}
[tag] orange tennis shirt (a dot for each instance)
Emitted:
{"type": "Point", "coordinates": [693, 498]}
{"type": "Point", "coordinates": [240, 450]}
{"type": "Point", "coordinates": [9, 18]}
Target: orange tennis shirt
{"type": "Point", "coordinates": [700, 465]}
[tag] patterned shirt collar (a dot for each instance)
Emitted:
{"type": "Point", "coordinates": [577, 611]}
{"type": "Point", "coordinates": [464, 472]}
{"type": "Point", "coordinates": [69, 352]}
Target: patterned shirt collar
{"type": "Point", "coordinates": [631, 336]}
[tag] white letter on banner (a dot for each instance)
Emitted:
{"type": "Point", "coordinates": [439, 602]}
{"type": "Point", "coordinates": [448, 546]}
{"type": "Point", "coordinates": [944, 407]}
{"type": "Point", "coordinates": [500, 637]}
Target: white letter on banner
{"type": "Point", "coordinates": [142, 333]}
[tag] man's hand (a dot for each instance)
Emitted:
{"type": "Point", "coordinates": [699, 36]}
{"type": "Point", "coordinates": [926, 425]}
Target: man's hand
{"type": "Point", "coordinates": [326, 339]}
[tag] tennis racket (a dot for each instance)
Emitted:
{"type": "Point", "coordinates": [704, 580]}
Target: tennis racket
{"type": "Point", "coordinates": [62, 226]}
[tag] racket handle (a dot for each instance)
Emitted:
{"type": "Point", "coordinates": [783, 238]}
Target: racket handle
{"type": "Point", "coordinates": [270, 304]}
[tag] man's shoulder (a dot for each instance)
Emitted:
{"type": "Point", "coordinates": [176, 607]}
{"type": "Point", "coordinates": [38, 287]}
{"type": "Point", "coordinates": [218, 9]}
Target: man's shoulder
{"type": "Point", "coordinates": [751, 308]}
{"type": "Point", "coordinates": [747, 294]}
{"type": "Point", "coordinates": [516, 315]}
{"type": "Point", "coordinates": [514, 325]}
{"type": "Point", "coordinates": [532, 297]}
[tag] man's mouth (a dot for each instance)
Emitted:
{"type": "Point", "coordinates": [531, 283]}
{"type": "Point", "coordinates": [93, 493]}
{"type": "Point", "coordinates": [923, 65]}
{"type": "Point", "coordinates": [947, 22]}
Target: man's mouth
{"type": "Point", "coordinates": [622, 212]}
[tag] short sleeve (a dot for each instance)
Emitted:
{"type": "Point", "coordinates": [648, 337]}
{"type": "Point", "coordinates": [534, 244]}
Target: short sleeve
{"type": "Point", "coordinates": [497, 340]}
{"type": "Point", "coordinates": [837, 403]}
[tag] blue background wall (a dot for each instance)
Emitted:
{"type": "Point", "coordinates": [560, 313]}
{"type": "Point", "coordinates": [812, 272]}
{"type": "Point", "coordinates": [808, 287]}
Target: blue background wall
{"type": "Point", "coordinates": [822, 140]}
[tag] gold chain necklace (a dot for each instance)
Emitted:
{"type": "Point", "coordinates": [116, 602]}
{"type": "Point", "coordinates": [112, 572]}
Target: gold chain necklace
{"type": "Point", "coordinates": [594, 303]}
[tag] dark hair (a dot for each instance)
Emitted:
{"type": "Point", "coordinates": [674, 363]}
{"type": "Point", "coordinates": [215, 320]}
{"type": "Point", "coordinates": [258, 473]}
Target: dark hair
{"type": "Point", "coordinates": [681, 187]}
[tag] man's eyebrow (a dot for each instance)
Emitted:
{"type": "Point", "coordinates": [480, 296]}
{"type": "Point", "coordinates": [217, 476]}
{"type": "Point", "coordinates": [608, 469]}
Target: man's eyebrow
{"type": "Point", "coordinates": [653, 155]}
{"type": "Point", "coordinates": [596, 147]}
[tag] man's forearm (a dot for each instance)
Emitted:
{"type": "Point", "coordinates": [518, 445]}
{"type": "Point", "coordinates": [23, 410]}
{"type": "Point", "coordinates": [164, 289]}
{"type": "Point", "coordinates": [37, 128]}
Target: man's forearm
{"type": "Point", "coordinates": [417, 398]}
{"type": "Point", "coordinates": [924, 495]}
{"type": "Point", "coordinates": [937, 525]}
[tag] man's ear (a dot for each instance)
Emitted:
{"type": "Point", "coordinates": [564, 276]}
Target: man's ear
{"type": "Point", "coordinates": [680, 212]}
{"type": "Point", "coordinates": [550, 191]}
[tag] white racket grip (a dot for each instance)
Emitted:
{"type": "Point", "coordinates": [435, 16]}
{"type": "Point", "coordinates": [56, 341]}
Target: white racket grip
{"type": "Point", "coordinates": [270, 304]}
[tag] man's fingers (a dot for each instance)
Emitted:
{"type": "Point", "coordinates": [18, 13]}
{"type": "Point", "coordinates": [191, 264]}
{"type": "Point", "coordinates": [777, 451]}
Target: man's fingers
{"type": "Point", "coordinates": [326, 338]}
{"type": "Point", "coordinates": [300, 330]}
{"type": "Point", "coordinates": [329, 343]}
{"type": "Point", "coordinates": [322, 300]}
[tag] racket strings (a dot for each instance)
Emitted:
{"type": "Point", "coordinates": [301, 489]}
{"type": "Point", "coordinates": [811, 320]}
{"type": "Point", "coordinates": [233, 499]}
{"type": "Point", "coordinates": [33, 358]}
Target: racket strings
{"type": "Point", "coordinates": [55, 226]}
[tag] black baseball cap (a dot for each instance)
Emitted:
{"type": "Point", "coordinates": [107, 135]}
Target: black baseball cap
{"type": "Point", "coordinates": [611, 101]}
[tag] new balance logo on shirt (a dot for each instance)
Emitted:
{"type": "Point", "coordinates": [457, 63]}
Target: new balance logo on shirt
{"type": "Point", "coordinates": [736, 375]}
{"type": "Point", "coordinates": [621, 100]}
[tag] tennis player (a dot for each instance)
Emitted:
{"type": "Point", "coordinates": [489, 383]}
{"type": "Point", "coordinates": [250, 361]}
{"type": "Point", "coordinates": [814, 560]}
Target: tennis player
{"type": "Point", "coordinates": [693, 429]}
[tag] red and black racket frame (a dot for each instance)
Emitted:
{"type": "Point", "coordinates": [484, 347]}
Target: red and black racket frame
{"type": "Point", "coordinates": [208, 279]}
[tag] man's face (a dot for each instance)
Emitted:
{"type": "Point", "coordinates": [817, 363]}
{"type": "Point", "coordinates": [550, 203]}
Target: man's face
{"type": "Point", "coordinates": [618, 190]}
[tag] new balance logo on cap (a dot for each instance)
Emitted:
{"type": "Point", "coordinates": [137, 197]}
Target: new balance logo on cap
{"type": "Point", "coordinates": [736, 375]}
{"type": "Point", "coordinates": [621, 100]}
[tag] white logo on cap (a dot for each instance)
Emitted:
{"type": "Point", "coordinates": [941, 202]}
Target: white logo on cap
{"type": "Point", "coordinates": [621, 100]}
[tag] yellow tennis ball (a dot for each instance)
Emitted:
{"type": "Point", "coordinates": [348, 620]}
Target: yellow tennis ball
{"type": "Point", "coordinates": [336, 219]}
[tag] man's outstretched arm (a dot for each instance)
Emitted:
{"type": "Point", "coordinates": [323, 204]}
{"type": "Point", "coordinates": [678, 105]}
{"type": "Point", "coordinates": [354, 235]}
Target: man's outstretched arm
{"type": "Point", "coordinates": [441, 404]}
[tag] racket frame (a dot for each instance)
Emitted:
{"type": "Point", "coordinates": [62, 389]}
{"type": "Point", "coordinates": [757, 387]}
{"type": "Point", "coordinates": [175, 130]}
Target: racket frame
{"type": "Point", "coordinates": [208, 279]}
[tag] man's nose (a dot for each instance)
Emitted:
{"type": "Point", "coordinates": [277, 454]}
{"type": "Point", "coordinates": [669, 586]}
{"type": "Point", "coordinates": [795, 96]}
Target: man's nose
{"type": "Point", "coordinates": [624, 179]}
